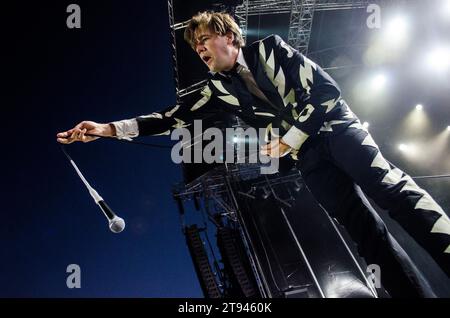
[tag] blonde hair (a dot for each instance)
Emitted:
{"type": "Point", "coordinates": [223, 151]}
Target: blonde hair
{"type": "Point", "coordinates": [218, 22]}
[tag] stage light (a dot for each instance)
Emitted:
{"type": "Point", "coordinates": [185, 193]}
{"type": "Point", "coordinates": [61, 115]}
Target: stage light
{"type": "Point", "coordinates": [439, 59]}
{"type": "Point", "coordinates": [391, 43]}
{"type": "Point", "coordinates": [403, 147]}
{"type": "Point", "coordinates": [417, 123]}
{"type": "Point", "coordinates": [410, 150]}
{"type": "Point", "coordinates": [446, 8]}
{"type": "Point", "coordinates": [448, 128]}
{"type": "Point", "coordinates": [397, 30]}
{"type": "Point", "coordinates": [235, 140]}
{"type": "Point", "coordinates": [379, 81]}
{"type": "Point", "coordinates": [406, 148]}
{"type": "Point", "coordinates": [366, 124]}
{"type": "Point", "coordinates": [433, 150]}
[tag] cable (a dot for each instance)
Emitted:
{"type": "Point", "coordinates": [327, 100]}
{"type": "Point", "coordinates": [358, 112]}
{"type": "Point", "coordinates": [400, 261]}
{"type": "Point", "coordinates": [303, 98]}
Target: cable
{"type": "Point", "coordinates": [432, 177]}
{"type": "Point", "coordinates": [63, 148]}
{"type": "Point", "coordinates": [131, 141]}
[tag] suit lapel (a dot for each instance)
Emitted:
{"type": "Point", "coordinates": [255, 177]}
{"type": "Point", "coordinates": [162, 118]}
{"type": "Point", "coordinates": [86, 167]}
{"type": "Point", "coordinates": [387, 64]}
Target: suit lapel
{"type": "Point", "coordinates": [224, 89]}
{"type": "Point", "coordinates": [251, 55]}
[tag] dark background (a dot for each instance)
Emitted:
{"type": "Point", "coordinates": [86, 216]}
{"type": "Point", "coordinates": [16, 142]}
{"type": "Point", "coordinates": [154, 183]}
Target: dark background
{"type": "Point", "coordinates": [118, 65]}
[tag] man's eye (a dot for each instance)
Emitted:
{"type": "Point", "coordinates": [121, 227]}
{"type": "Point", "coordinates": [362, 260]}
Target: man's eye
{"type": "Point", "coordinates": [202, 41]}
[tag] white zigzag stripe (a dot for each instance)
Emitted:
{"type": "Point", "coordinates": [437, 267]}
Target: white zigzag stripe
{"type": "Point", "coordinates": [349, 115]}
{"type": "Point", "coordinates": [304, 117]}
{"type": "Point", "coordinates": [368, 141]}
{"type": "Point", "coordinates": [170, 113]}
{"type": "Point", "coordinates": [290, 98]}
{"type": "Point", "coordinates": [280, 81]}
{"type": "Point", "coordinates": [262, 52]}
{"type": "Point", "coordinates": [265, 114]}
{"type": "Point", "coordinates": [180, 123]}
{"type": "Point", "coordinates": [380, 162]}
{"type": "Point", "coordinates": [167, 132]}
{"type": "Point", "coordinates": [269, 130]}
{"type": "Point", "coordinates": [290, 52]}
{"type": "Point", "coordinates": [327, 126]}
{"type": "Point", "coordinates": [410, 185]}
{"type": "Point", "coordinates": [393, 177]}
{"type": "Point", "coordinates": [329, 105]}
{"type": "Point", "coordinates": [230, 99]}
{"type": "Point", "coordinates": [153, 115]}
{"type": "Point", "coordinates": [200, 103]}
{"type": "Point", "coordinates": [270, 67]}
{"type": "Point", "coordinates": [427, 203]}
{"type": "Point", "coordinates": [358, 125]}
{"type": "Point", "coordinates": [442, 226]}
{"type": "Point", "coordinates": [219, 86]}
{"type": "Point", "coordinates": [306, 73]}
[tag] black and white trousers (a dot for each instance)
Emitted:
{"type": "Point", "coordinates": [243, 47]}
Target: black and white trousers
{"type": "Point", "coordinates": [337, 166]}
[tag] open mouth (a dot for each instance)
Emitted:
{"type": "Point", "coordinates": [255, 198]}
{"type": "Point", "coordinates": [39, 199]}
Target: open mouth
{"type": "Point", "coordinates": [206, 59]}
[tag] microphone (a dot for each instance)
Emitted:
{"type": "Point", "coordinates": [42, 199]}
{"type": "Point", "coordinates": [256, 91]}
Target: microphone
{"type": "Point", "coordinates": [116, 223]}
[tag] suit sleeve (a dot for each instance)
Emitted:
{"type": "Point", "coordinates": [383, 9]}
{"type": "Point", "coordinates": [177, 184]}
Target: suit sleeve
{"type": "Point", "coordinates": [194, 106]}
{"type": "Point", "coordinates": [316, 92]}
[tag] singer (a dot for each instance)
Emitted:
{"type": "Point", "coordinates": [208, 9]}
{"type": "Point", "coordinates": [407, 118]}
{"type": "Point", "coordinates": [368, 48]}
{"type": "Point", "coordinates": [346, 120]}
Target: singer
{"type": "Point", "coordinates": [271, 85]}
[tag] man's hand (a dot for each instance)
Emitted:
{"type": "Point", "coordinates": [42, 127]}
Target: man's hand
{"type": "Point", "coordinates": [276, 149]}
{"type": "Point", "coordinates": [78, 133]}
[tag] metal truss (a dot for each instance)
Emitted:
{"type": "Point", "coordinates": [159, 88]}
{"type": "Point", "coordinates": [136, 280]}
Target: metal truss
{"type": "Point", "coordinates": [180, 25]}
{"type": "Point", "coordinates": [258, 7]}
{"type": "Point", "coordinates": [174, 46]}
{"type": "Point", "coordinates": [301, 15]}
{"type": "Point", "coordinates": [190, 89]}
{"type": "Point", "coordinates": [213, 185]}
{"type": "Point", "coordinates": [215, 189]}
{"type": "Point", "coordinates": [300, 25]}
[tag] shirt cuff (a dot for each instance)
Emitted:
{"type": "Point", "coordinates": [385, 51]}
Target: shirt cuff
{"type": "Point", "coordinates": [126, 129]}
{"type": "Point", "coordinates": [295, 138]}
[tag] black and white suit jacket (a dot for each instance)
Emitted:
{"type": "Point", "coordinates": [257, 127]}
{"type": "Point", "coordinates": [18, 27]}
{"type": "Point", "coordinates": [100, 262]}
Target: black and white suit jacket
{"type": "Point", "coordinates": [305, 100]}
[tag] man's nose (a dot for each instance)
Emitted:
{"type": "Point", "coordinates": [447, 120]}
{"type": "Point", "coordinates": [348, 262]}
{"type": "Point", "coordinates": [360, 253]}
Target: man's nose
{"type": "Point", "coordinates": [200, 48]}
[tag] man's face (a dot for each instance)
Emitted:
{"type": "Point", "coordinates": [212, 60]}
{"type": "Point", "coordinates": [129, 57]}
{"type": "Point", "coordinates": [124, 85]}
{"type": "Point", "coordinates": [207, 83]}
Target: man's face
{"type": "Point", "coordinates": [216, 51]}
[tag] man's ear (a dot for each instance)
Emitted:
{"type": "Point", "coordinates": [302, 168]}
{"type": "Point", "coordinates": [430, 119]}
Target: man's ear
{"type": "Point", "coordinates": [230, 37]}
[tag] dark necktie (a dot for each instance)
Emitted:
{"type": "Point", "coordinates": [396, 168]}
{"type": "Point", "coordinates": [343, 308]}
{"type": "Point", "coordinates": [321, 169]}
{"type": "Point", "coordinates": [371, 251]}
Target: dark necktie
{"type": "Point", "coordinates": [245, 98]}
{"type": "Point", "coordinates": [248, 92]}
{"type": "Point", "coordinates": [250, 82]}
